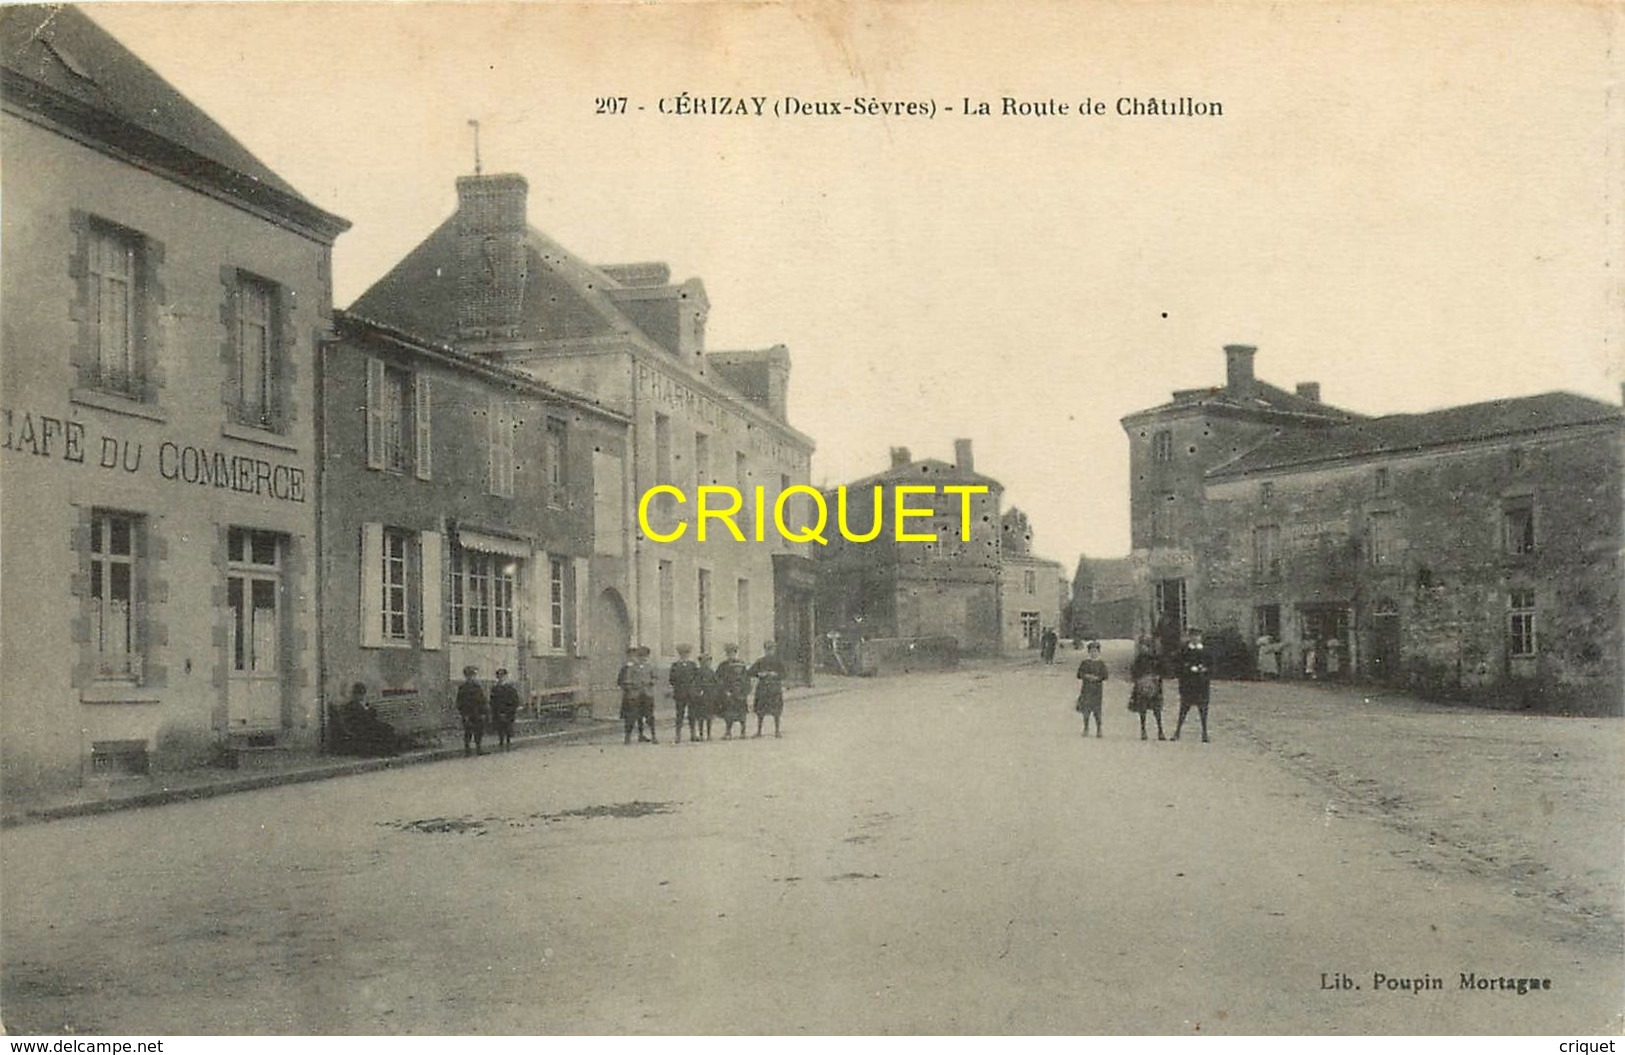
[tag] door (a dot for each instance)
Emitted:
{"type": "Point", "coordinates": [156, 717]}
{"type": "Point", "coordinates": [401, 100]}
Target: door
{"type": "Point", "coordinates": [1385, 642]}
{"type": "Point", "coordinates": [255, 635]}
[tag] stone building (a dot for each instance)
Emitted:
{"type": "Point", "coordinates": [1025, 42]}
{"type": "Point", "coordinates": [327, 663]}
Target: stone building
{"type": "Point", "coordinates": [164, 296]}
{"type": "Point", "coordinates": [458, 515]}
{"type": "Point", "coordinates": [1171, 449]}
{"type": "Point", "coordinates": [1029, 586]}
{"type": "Point", "coordinates": [885, 588]}
{"type": "Point", "coordinates": [1472, 551]}
{"type": "Point", "coordinates": [627, 338]}
{"type": "Point", "coordinates": [1105, 598]}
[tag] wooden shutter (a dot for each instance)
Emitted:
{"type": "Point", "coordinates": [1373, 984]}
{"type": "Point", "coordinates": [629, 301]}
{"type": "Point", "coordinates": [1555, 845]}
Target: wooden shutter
{"type": "Point", "coordinates": [372, 585]}
{"type": "Point", "coordinates": [422, 460]}
{"type": "Point", "coordinates": [541, 603]}
{"type": "Point", "coordinates": [375, 413]}
{"type": "Point", "coordinates": [429, 562]}
{"type": "Point", "coordinates": [578, 617]}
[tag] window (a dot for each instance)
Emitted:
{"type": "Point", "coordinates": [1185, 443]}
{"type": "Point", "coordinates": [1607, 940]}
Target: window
{"type": "Point", "coordinates": [253, 581]}
{"type": "Point", "coordinates": [662, 449]}
{"type": "Point", "coordinates": [1515, 459]}
{"type": "Point", "coordinates": [742, 636]}
{"type": "Point", "coordinates": [254, 310]}
{"type": "Point", "coordinates": [556, 452]}
{"type": "Point", "coordinates": [702, 459]}
{"type": "Point", "coordinates": [1029, 629]}
{"type": "Point", "coordinates": [1162, 446]}
{"type": "Point", "coordinates": [397, 419]}
{"type": "Point", "coordinates": [1518, 520]}
{"type": "Point", "coordinates": [1029, 582]}
{"type": "Point", "coordinates": [668, 607]}
{"type": "Point", "coordinates": [1169, 600]}
{"type": "Point", "coordinates": [1266, 493]}
{"type": "Point", "coordinates": [742, 482]}
{"type": "Point", "coordinates": [1381, 481]}
{"type": "Point", "coordinates": [500, 427]}
{"type": "Point", "coordinates": [113, 303]}
{"type": "Point", "coordinates": [703, 595]}
{"type": "Point", "coordinates": [1267, 618]}
{"type": "Point", "coordinates": [1521, 623]}
{"type": "Point", "coordinates": [393, 609]}
{"type": "Point", "coordinates": [1164, 522]}
{"type": "Point", "coordinates": [1382, 538]}
{"type": "Point", "coordinates": [1267, 553]}
{"type": "Point", "coordinates": [482, 592]}
{"type": "Point", "coordinates": [113, 634]}
{"type": "Point", "coordinates": [555, 603]}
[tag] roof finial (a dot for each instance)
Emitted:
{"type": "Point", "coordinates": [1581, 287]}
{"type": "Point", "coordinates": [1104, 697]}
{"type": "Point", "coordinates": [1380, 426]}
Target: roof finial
{"type": "Point", "coordinates": [475, 125]}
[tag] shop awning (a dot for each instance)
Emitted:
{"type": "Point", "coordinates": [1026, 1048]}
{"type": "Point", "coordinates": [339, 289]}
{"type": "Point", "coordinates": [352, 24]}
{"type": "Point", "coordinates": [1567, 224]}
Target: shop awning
{"type": "Point", "coordinates": [478, 540]}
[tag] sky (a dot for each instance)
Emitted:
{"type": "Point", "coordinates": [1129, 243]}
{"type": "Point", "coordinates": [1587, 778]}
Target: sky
{"type": "Point", "coordinates": [1416, 205]}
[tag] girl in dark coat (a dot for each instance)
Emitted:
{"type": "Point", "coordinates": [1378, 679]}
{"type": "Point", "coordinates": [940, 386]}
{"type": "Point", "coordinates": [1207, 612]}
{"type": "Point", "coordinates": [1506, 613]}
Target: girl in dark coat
{"type": "Point", "coordinates": [1147, 692]}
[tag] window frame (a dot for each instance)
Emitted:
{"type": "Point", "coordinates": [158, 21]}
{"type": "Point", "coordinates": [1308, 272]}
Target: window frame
{"type": "Point", "coordinates": [1523, 631]}
{"type": "Point", "coordinates": [1528, 541]}
{"type": "Point", "coordinates": [267, 410]}
{"type": "Point", "coordinates": [131, 381]}
{"type": "Point", "coordinates": [103, 559]}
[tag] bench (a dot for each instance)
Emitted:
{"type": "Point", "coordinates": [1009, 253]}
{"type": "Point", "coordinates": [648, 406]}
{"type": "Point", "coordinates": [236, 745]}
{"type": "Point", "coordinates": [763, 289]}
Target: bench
{"type": "Point", "coordinates": [566, 702]}
{"type": "Point", "coordinates": [416, 719]}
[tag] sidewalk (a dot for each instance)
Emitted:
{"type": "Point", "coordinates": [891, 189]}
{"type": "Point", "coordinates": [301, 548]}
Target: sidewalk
{"type": "Point", "coordinates": [105, 795]}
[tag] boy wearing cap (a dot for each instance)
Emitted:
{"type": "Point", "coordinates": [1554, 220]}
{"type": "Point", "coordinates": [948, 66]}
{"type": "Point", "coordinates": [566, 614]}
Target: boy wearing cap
{"type": "Point", "coordinates": [733, 680]}
{"type": "Point", "coordinates": [682, 679]}
{"type": "Point", "coordinates": [472, 709]}
{"type": "Point", "coordinates": [769, 674]}
{"type": "Point", "coordinates": [504, 706]}
{"type": "Point", "coordinates": [1194, 681]}
{"type": "Point", "coordinates": [637, 704]}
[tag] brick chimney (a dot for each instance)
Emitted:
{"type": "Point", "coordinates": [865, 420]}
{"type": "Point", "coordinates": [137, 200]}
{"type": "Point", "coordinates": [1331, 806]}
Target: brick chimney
{"type": "Point", "coordinates": [1309, 390]}
{"type": "Point", "coordinates": [900, 457]}
{"type": "Point", "coordinates": [1238, 367]}
{"type": "Point", "coordinates": [962, 456]}
{"type": "Point", "coordinates": [490, 255]}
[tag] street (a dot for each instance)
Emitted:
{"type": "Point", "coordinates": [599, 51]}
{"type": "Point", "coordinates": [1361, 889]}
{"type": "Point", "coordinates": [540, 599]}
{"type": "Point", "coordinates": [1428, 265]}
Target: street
{"type": "Point", "coordinates": [938, 853]}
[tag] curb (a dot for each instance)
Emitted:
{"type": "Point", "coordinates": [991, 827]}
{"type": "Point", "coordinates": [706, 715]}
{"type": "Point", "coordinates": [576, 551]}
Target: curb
{"type": "Point", "coordinates": [260, 781]}
{"type": "Point", "coordinates": [230, 785]}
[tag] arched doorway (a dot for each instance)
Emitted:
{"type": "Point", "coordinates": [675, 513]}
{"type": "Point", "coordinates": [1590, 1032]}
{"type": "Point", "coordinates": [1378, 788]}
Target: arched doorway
{"type": "Point", "coordinates": [611, 632]}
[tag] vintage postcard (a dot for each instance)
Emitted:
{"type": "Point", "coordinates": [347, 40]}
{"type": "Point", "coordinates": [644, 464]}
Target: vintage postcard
{"type": "Point", "coordinates": [611, 518]}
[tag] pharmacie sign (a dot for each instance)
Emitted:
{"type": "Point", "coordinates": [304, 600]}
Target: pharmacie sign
{"type": "Point", "coordinates": [66, 440]}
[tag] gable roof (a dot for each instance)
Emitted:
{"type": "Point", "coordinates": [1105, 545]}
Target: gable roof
{"type": "Point", "coordinates": [61, 65]}
{"type": "Point", "coordinates": [1407, 433]}
{"type": "Point", "coordinates": [564, 297]}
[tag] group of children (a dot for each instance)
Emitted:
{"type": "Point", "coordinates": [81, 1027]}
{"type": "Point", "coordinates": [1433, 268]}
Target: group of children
{"type": "Point", "coordinates": [702, 694]}
{"type": "Point", "coordinates": [1190, 669]}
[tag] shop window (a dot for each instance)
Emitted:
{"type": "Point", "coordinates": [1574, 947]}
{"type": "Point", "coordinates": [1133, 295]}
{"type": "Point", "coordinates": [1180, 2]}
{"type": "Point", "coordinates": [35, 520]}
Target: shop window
{"type": "Point", "coordinates": [482, 594]}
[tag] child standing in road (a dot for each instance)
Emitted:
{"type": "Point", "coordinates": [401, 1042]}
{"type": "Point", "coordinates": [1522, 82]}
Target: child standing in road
{"type": "Point", "coordinates": [1092, 672]}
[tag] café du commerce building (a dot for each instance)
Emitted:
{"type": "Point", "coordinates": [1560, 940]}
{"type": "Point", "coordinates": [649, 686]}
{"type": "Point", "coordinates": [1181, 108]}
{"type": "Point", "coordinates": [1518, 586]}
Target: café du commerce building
{"type": "Point", "coordinates": [164, 293]}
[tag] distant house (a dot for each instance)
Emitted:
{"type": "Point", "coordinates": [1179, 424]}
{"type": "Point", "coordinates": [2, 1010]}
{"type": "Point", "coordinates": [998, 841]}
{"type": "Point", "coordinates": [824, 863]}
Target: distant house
{"type": "Point", "coordinates": [1473, 551]}
{"type": "Point", "coordinates": [165, 293]}
{"type": "Point", "coordinates": [1105, 596]}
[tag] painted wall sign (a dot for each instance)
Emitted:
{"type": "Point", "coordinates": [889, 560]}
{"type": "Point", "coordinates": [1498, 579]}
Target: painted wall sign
{"type": "Point", "coordinates": [44, 436]}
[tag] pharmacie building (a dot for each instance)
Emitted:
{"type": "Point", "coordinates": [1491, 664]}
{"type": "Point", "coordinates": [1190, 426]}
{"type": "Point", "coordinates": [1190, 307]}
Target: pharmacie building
{"type": "Point", "coordinates": [459, 507]}
{"type": "Point", "coordinates": [627, 338]}
{"type": "Point", "coordinates": [164, 294]}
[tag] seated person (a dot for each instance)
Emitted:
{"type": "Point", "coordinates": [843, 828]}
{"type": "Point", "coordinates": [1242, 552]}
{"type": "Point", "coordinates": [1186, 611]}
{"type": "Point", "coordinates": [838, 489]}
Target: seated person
{"type": "Point", "coordinates": [360, 730]}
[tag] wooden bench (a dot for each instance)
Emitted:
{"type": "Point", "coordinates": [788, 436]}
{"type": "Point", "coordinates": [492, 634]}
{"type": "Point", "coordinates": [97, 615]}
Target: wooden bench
{"type": "Point", "coordinates": [566, 702]}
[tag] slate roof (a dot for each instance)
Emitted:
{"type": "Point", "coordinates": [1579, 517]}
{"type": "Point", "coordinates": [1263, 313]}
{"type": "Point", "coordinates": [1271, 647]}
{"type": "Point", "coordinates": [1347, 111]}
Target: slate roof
{"type": "Point", "coordinates": [1405, 433]}
{"type": "Point", "coordinates": [1259, 396]}
{"type": "Point", "coordinates": [57, 61]}
{"type": "Point", "coordinates": [927, 471]}
{"type": "Point", "coordinates": [563, 299]}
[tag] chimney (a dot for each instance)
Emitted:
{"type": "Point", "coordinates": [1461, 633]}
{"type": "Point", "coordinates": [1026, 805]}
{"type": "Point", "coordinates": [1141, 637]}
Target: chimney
{"type": "Point", "coordinates": [900, 457]}
{"type": "Point", "coordinates": [1309, 390]}
{"type": "Point", "coordinates": [1238, 367]}
{"type": "Point", "coordinates": [490, 255]}
{"type": "Point", "coordinates": [962, 456]}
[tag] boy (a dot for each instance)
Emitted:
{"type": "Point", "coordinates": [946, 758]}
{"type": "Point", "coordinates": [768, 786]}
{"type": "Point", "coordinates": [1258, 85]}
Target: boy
{"type": "Point", "coordinates": [682, 679]}
{"type": "Point", "coordinates": [1092, 672]}
{"type": "Point", "coordinates": [472, 709]}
